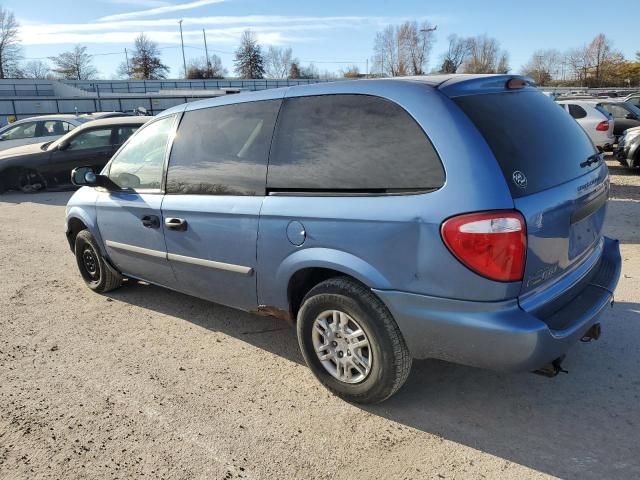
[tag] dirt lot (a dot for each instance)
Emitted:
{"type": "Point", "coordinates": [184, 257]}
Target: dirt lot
{"type": "Point", "coordinates": [147, 382]}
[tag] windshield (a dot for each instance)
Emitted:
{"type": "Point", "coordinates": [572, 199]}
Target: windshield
{"type": "Point", "coordinates": [53, 145]}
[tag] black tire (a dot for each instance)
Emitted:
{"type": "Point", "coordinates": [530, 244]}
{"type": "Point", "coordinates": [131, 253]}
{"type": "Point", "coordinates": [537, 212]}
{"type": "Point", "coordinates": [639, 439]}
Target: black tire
{"type": "Point", "coordinates": [30, 181]}
{"type": "Point", "coordinates": [391, 359]}
{"type": "Point", "coordinates": [96, 273]}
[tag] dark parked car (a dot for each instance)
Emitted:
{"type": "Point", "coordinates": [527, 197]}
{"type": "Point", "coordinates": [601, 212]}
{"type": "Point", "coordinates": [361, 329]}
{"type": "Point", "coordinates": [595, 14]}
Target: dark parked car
{"type": "Point", "coordinates": [625, 115]}
{"type": "Point", "coordinates": [48, 165]}
{"type": "Point", "coordinates": [628, 151]}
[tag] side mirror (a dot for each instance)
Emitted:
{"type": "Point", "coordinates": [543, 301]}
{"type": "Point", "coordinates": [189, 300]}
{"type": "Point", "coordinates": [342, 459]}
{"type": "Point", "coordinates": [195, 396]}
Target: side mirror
{"type": "Point", "coordinates": [631, 116]}
{"type": "Point", "coordinates": [86, 177]}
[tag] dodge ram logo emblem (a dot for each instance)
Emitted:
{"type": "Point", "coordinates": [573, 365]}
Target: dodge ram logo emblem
{"type": "Point", "coordinates": [519, 179]}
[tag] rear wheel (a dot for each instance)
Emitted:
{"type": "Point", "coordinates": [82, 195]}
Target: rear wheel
{"type": "Point", "coordinates": [96, 273]}
{"type": "Point", "coordinates": [351, 342]}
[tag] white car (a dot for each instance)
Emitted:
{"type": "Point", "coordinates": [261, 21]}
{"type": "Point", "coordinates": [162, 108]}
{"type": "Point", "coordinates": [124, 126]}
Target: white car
{"type": "Point", "coordinates": [39, 129]}
{"type": "Point", "coordinates": [593, 119]}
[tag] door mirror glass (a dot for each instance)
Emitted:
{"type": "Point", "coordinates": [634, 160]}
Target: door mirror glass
{"type": "Point", "coordinates": [84, 176]}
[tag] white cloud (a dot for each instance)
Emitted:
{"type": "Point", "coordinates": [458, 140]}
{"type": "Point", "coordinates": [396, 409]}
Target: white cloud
{"type": "Point", "coordinates": [159, 10]}
{"type": "Point", "coordinates": [140, 3]}
{"type": "Point", "coordinates": [225, 30]}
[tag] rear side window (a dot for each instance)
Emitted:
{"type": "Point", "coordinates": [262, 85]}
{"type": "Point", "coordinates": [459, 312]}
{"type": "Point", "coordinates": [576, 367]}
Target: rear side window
{"type": "Point", "coordinates": [576, 111]}
{"type": "Point", "coordinates": [347, 143]}
{"type": "Point", "coordinates": [56, 128]}
{"type": "Point", "coordinates": [536, 145]}
{"type": "Point", "coordinates": [223, 150]}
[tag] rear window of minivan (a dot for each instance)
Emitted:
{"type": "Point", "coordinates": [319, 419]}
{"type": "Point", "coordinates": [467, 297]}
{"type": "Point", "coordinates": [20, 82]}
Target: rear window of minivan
{"type": "Point", "coordinates": [536, 144]}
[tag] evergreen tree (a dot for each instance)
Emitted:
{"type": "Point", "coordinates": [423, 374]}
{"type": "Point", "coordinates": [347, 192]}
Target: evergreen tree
{"type": "Point", "coordinates": [146, 63]}
{"type": "Point", "coordinates": [249, 62]}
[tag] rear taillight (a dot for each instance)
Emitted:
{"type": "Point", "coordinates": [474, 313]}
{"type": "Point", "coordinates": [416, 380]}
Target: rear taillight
{"type": "Point", "coordinates": [492, 244]}
{"type": "Point", "coordinates": [603, 126]}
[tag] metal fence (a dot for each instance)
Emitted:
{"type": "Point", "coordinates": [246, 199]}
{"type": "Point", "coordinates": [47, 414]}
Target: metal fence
{"type": "Point", "coordinates": [153, 86]}
{"type": "Point", "coordinates": [30, 107]}
{"type": "Point", "coordinates": [26, 89]}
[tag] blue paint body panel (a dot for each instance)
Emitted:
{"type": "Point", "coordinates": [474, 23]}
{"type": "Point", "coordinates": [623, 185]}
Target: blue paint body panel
{"type": "Point", "coordinates": [243, 251]}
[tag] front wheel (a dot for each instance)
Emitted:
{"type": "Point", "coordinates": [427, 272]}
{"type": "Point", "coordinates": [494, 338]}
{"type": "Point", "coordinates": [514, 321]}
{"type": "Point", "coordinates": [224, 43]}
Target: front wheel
{"type": "Point", "coordinates": [96, 273]}
{"type": "Point", "coordinates": [351, 342]}
{"type": "Point", "coordinates": [30, 181]}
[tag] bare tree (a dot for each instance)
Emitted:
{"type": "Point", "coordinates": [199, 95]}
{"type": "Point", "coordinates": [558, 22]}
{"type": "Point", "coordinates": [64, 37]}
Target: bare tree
{"type": "Point", "coordinates": [603, 59]}
{"type": "Point", "coordinates": [418, 40]}
{"type": "Point", "coordinates": [579, 62]}
{"type": "Point", "coordinates": [146, 63]}
{"type": "Point", "coordinates": [543, 66]}
{"type": "Point", "coordinates": [386, 53]}
{"type": "Point", "coordinates": [485, 56]}
{"type": "Point", "coordinates": [199, 68]}
{"type": "Point", "coordinates": [36, 69]}
{"type": "Point", "coordinates": [249, 62]}
{"type": "Point", "coordinates": [351, 71]}
{"type": "Point", "coordinates": [456, 54]}
{"type": "Point", "coordinates": [10, 51]}
{"type": "Point", "coordinates": [310, 71]}
{"type": "Point", "coordinates": [278, 62]}
{"type": "Point", "coordinates": [75, 64]}
{"type": "Point", "coordinates": [403, 49]}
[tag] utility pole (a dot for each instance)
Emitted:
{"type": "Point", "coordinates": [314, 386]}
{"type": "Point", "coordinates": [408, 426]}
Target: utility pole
{"type": "Point", "coordinates": [425, 31]}
{"type": "Point", "coordinates": [126, 56]}
{"type": "Point", "coordinates": [184, 61]}
{"type": "Point", "coordinates": [206, 52]}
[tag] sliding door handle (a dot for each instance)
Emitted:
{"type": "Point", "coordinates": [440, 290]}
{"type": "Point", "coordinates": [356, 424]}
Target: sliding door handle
{"type": "Point", "coordinates": [178, 224]}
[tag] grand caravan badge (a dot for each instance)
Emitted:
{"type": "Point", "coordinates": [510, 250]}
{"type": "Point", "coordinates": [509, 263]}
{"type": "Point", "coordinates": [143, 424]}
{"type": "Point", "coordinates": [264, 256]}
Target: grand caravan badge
{"type": "Point", "coordinates": [519, 179]}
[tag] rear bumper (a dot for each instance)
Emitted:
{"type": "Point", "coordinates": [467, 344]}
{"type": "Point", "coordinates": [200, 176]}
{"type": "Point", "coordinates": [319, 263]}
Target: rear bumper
{"type": "Point", "coordinates": [501, 335]}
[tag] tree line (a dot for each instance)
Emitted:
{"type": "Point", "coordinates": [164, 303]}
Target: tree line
{"type": "Point", "coordinates": [595, 64]}
{"type": "Point", "coordinates": [398, 50]}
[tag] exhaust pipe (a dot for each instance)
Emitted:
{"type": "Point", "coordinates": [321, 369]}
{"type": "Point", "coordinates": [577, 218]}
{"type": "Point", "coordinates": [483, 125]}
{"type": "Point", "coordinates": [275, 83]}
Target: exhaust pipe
{"type": "Point", "coordinates": [592, 334]}
{"type": "Point", "coordinates": [552, 369]}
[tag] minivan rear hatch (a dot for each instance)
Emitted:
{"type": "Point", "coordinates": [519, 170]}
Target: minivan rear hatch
{"type": "Point", "coordinates": [557, 179]}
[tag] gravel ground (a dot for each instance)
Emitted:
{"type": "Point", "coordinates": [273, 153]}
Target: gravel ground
{"type": "Point", "coordinates": [149, 383]}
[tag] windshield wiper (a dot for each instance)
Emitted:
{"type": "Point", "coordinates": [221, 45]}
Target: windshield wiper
{"type": "Point", "coordinates": [595, 158]}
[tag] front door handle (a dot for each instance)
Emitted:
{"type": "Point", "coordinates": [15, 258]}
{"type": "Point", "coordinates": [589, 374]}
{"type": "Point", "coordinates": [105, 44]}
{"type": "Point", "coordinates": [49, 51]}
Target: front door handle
{"type": "Point", "coordinates": [179, 224]}
{"type": "Point", "coordinates": [151, 221]}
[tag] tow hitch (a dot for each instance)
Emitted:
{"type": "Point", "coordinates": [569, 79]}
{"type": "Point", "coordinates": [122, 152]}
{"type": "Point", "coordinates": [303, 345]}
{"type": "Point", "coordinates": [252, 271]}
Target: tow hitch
{"type": "Point", "coordinates": [552, 369]}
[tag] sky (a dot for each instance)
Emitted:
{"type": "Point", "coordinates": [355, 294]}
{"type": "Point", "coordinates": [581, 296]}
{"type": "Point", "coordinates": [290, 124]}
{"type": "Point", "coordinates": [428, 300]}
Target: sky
{"type": "Point", "coordinates": [332, 34]}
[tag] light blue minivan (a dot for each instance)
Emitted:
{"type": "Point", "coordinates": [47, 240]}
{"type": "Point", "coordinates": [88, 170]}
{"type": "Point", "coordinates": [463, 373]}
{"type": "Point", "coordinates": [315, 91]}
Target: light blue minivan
{"type": "Point", "coordinates": [456, 217]}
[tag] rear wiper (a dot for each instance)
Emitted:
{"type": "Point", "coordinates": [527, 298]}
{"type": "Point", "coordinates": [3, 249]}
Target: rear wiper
{"type": "Point", "coordinates": [595, 158]}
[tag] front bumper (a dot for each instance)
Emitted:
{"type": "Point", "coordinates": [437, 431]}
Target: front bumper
{"type": "Point", "coordinates": [501, 335]}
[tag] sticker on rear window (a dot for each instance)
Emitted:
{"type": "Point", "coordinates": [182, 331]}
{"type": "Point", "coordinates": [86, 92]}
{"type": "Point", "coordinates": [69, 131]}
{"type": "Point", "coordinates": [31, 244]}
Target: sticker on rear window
{"type": "Point", "coordinates": [519, 179]}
